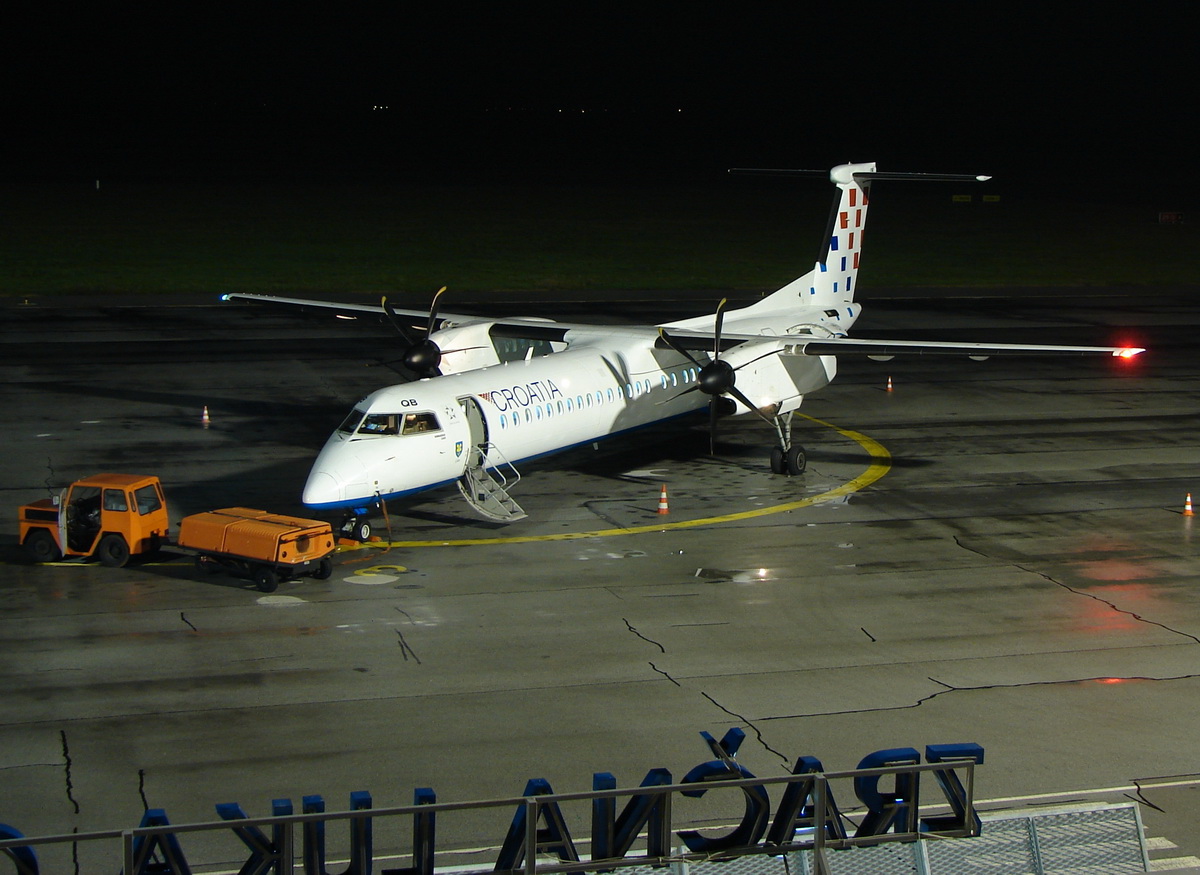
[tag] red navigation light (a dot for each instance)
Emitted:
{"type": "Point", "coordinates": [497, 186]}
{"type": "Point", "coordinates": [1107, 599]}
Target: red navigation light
{"type": "Point", "coordinates": [1128, 352]}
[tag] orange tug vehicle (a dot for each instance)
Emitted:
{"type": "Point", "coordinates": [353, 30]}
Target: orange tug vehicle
{"type": "Point", "coordinates": [264, 547]}
{"type": "Point", "coordinates": [108, 517]}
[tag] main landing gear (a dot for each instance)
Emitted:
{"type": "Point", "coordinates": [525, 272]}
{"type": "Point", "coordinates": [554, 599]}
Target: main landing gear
{"type": "Point", "coordinates": [786, 458]}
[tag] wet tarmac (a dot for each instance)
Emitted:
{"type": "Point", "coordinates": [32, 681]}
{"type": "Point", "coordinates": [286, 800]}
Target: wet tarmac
{"type": "Point", "coordinates": [991, 552]}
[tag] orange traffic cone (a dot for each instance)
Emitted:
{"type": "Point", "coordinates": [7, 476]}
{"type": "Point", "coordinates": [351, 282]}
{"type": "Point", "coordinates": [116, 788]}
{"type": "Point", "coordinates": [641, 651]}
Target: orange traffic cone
{"type": "Point", "coordinates": [1187, 505]}
{"type": "Point", "coordinates": [662, 500]}
{"type": "Point", "coordinates": [204, 420]}
{"type": "Point", "coordinates": [889, 388]}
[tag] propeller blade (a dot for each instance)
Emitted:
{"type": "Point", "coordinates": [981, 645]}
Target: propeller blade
{"type": "Point", "coordinates": [740, 396]}
{"type": "Point", "coordinates": [433, 311]}
{"type": "Point", "coordinates": [683, 351]}
{"type": "Point", "coordinates": [712, 424]}
{"type": "Point", "coordinates": [395, 320]}
{"type": "Point", "coordinates": [717, 328]}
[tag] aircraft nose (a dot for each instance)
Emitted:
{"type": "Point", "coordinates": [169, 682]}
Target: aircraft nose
{"type": "Point", "coordinates": [322, 488]}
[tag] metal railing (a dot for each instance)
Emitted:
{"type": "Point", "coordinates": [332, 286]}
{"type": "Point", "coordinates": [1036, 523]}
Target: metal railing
{"type": "Point", "coordinates": [810, 821]}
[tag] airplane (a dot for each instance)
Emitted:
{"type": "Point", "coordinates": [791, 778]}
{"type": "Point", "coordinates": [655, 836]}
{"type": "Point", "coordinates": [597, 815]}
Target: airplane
{"type": "Point", "coordinates": [491, 393]}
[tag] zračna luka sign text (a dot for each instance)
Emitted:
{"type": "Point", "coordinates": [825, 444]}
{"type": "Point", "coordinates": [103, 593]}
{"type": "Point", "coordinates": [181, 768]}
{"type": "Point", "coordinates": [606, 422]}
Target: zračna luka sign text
{"type": "Point", "coordinates": [794, 825]}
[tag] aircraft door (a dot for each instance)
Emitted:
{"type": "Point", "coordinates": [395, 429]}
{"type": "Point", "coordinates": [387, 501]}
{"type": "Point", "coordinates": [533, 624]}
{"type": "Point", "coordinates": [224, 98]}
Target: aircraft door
{"type": "Point", "coordinates": [478, 428]}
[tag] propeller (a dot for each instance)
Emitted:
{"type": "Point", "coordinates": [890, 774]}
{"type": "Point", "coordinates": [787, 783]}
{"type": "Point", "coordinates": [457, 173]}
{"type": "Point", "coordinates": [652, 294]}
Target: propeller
{"type": "Point", "coordinates": [716, 379]}
{"type": "Point", "coordinates": [423, 355]}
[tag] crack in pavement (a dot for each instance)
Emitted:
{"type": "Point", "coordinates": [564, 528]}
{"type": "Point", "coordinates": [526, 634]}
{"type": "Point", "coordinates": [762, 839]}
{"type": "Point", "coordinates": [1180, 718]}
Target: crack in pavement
{"type": "Point", "coordinates": [750, 723]}
{"type": "Point", "coordinates": [66, 752]}
{"type": "Point", "coordinates": [1079, 592]}
{"type": "Point", "coordinates": [665, 674]}
{"type": "Point", "coordinates": [629, 626]}
{"type": "Point", "coordinates": [757, 732]}
{"type": "Point", "coordinates": [953, 689]}
{"type": "Point", "coordinates": [1103, 601]}
{"type": "Point", "coordinates": [1140, 797]}
{"type": "Point", "coordinates": [405, 649]}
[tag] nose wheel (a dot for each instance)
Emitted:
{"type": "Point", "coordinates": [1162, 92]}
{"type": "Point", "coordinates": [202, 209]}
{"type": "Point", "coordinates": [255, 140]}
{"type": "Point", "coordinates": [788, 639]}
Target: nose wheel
{"type": "Point", "coordinates": [356, 527]}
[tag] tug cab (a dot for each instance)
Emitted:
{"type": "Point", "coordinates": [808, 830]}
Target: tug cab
{"type": "Point", "coordinates": [109, 517]}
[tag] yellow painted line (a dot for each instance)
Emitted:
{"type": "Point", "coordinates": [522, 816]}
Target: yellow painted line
{"type": "Point", "coordinates": [880, 465]}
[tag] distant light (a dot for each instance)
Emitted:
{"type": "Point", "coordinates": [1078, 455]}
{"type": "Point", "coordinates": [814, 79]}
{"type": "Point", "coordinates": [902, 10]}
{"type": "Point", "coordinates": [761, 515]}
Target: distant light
{"type": "Point", "coordinates": [1129, 352]}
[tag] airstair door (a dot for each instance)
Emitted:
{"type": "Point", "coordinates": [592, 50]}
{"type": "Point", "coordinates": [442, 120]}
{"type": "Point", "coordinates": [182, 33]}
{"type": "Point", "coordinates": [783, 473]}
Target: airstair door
{"type": "Point", "coordinates": [482, 484]}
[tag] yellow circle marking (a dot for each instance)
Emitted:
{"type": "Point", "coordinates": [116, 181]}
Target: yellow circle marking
{"type": "Point", "coordinates": [881, 463]}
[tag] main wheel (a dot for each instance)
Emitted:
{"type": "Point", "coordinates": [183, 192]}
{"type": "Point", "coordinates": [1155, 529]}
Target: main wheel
{"type": "Point", "coordinates": [41, 546]}
{"type": "Point", "coordinates": [112, 551]}
{"type": "Point", "coordinates": [778, 462]}
{"type": "Point", "coordinates": [324, 569]}
{"type": "Point", "coordinates": [266, 579]}
{"type": "Point", "coordinates": [797, 460]}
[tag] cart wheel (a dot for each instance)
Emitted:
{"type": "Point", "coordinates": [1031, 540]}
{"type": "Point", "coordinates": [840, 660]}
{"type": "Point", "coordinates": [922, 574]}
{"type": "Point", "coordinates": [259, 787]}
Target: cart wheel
{"type": "Point", "coordinates": [41, 546]}
{"type": "Point", "coordinates": [112, 551]}
{"type": "Point", "coordinates": [324, 569]}
{"type": "Point", "coordinates": [266, 580]}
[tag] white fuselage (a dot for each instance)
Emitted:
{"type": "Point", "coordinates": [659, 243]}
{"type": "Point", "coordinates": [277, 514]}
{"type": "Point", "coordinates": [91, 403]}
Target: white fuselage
{"type": "Point", "coordinates": [410, 437]}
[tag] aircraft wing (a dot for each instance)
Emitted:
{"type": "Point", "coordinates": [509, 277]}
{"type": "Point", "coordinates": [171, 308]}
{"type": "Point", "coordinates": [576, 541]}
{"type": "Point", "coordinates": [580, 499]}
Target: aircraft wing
{"type": "Point", "coordinates": [798, 344]}
{"type": "Point", "coordinates": [522, 327]}
{"type": "Point", "coordinates": [339, 308]}
{"type": "Point", "coordinates": [806, 344]}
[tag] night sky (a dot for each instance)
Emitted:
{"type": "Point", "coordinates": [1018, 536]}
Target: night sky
{"type": "Point", "coordinates": [597, 91]}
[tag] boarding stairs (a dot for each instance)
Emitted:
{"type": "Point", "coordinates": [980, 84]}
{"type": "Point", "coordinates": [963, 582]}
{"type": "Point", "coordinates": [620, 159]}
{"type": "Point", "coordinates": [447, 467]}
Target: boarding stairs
{"type": "Point", "coordinates": [485, 486]}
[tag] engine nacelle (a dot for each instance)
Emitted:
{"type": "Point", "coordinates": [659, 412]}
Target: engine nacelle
{"type": "Point", "coordinates": [465, 347]}
{"type": "Point", "coordinates": [481, 344]}
{"type": "Point", "coordinates": [775, 378]}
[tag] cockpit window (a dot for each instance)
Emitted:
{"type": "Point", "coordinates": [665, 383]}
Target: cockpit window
{"type": "Point", "coordinates": [419, 422]}
{"type": "Point", "coordinates": [380, 423]}
{"type": "Point", "coordinates": [350, 424]}
{"type": "Point", "coordinates": [391, 423]}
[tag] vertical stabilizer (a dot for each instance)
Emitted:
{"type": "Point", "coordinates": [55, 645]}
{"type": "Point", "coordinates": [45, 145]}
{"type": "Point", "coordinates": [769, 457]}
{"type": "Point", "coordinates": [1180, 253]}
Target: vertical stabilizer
{"type": "Point", "coordinates": [834, 277]}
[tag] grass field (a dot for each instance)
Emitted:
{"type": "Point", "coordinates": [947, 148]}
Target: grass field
{"type": "Point", "coordinates": [144, 238]}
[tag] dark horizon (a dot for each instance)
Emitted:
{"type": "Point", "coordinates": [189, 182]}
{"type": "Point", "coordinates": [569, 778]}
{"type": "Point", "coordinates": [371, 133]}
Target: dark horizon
{"type": "Point", "coordinates": [603, 95]}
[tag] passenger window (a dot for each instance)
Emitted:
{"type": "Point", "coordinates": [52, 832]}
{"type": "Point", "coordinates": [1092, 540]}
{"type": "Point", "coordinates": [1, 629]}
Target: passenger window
{"type": "Point", "coordinates": [114, 499]}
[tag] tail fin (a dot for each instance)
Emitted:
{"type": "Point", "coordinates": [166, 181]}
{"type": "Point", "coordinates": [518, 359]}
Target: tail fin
{"type": "Point", "coordinates": [834, 278]}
